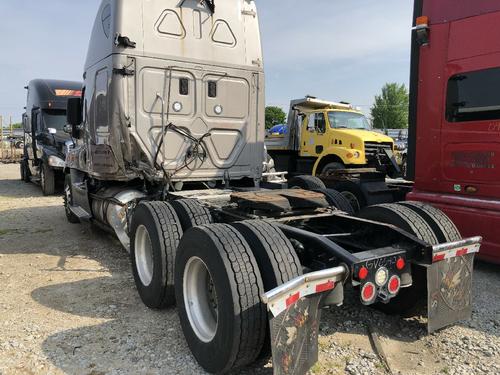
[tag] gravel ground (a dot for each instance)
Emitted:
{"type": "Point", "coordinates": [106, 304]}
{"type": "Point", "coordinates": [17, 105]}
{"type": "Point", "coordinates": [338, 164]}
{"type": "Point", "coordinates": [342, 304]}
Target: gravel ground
{"type": "Point", "coordinates": [68, 305]}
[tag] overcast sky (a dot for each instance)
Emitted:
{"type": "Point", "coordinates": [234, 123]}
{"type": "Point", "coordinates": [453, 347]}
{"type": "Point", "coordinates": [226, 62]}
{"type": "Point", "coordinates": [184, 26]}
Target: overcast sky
{"type": "Point", "coordinates": [334, 49]}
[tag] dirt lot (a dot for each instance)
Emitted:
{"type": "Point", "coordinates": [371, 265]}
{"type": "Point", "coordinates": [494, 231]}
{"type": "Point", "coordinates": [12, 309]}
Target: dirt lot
{"type": "Point", "coordinates": [68, 305]}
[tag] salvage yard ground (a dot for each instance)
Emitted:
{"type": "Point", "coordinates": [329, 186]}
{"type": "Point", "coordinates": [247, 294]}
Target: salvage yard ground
{"type": "Point", "coordinates": [68, 305]}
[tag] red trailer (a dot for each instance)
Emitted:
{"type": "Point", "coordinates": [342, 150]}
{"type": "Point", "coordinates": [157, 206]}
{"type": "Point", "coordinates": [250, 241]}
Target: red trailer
{"type": "Point", "coordinates": [454, 152]}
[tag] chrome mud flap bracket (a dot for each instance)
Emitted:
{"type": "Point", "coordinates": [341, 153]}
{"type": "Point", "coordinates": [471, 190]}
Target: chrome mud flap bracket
{"type": "Point", "coordinates": [294, 317]}
{"type": "Point", "coordinates": [449, 283]}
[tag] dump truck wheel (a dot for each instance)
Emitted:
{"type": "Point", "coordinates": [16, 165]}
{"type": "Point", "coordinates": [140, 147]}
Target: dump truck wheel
{"type": "Point", "coordinates": [191, 213]}
{"type": "Point", "coordinates": [406, 219]}
{"type": "Point", "coordinates": [68, 200]}
{"type": "Point", "coordinates": [155, 235]}
{"type": "Point", "coordinates": [47, 180]}
{"type": "Point", "coordinates": [441, 224]}
{"type": "Point", "coordinates": [337, 200]}
{"type": "Point", "coordinates": [275, 255]}
{"type": "Point", "coordinates": [218, 289]}
{"type": "Point", "coordinates": [306, 183]}
{"type": "Point", "coordinates": [332, 167]}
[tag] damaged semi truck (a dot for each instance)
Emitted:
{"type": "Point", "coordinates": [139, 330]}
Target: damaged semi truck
{"type": "Point", "coordinates": [169, 152]}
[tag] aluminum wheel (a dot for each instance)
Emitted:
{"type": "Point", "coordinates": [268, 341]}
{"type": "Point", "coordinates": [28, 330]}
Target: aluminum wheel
{"type": "Point", "coordinates": [67, 194]}
{"type": "Point", "coordinates": [144, 255]}
{"type": "Point", "coordinates": [200, 299]}
{"type": "Point", "coordinates": [42, 177]}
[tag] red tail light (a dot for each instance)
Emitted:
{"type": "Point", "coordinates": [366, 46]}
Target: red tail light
{"type": "Point", "coordinates": [400, 264]}
{"type": "Point", "coordinates": [394, 285]}
{"type": "Point", "coordinates": [368, 292]}
{"type": "Point", "coordinates": [363, 273]}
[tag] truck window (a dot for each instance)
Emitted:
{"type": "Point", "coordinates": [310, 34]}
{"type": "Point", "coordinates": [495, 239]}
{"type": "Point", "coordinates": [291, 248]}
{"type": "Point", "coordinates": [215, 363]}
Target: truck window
{"type": "Point", "coordinates": [101, 99]}
{"type": "Point", "coordinates": [318, 119]}
{"type": "Point", "coordinates": [348, 120]}
{"type": "Point", "coordinates": [474, 96]}
{"type": "Point", "coordinates": [53, 118]}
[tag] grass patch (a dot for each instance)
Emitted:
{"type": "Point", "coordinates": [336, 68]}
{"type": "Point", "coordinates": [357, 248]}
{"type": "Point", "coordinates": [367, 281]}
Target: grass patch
{"type": "Point", "coordinates": [6, 232]}
{"type": "Point", "coordinates": [41, 231]}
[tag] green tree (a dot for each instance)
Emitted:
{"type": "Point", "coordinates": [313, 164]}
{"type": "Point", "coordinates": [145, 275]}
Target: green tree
{"type": "Point", "coordinates": [17, 126]}
{"type": "Point", "coordinates": [390, 110]}
{"type": "Point", "coordinates": [274, 116]}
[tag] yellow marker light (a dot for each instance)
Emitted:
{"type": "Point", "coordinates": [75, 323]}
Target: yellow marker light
{"type": "Point", "coordinates": [422, 21]}
{"type": "Point", "coordinates": [61, 92]}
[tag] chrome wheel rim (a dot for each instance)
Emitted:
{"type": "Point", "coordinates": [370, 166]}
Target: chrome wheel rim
{"type": "Point", "coordinates": [144, 255]}
{"type": "Point", "coordinates": [67, 193]}
{"type": "Point", "coordinates": [200, 299]}
{"type": "Point", "coordinates": [42, 178]}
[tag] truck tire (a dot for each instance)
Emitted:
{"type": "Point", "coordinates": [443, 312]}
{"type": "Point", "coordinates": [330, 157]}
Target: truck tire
{"type": "Point", "coordinates": [47, 180]}
{"type": "Point", "coordinates": [68, 200]}
{"type": "Point", "coordinates": [406, 219]}
{"type": "Point", "coordinates": [306, 182]}
{"type": "Point", "coordinates": [191, 213]}
{"type": "Point", "coordinates": [155, 235]}
{"type": "Point", "coordinates": [443, 227]}
{"type": "Point", "coordinates": [401, 217]}
{"type": "Point", "coordinates": [25, 172]}
{"type": "Point", "coordinates": [218, 287]}
{"type": "Point", "coordinates": [331, 167]}
{"type": "Point", "coordinates": [277, 259]}
{"type": "Point", "coordinates": [337, 200]}
{"type": "Point", "coordinates": [353, 193]}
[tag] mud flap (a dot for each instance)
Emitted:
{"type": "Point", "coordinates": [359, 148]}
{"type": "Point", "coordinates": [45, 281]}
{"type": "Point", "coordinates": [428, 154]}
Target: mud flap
{"type": "Point", "coordinates": [294, 316]}
{"type": "Point", "coordinates": [294, 336]}
{"type": "Point", "coordinates": [449, 291]}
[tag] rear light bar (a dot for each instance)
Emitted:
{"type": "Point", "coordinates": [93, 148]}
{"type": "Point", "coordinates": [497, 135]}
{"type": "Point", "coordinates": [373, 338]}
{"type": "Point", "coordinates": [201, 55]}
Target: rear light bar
{"type": "Point", "coordinates": [380, 277]}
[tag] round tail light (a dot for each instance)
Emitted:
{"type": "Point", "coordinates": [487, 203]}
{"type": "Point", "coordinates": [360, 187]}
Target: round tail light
{"type": "Point", "coordinates": [400, 264]}
{"type": "Point", "coordinates": [368, 292]}
{"type": "Point", "coordinates": [394, 285]}
{"type": "Point", "coordinates": [363, 273]}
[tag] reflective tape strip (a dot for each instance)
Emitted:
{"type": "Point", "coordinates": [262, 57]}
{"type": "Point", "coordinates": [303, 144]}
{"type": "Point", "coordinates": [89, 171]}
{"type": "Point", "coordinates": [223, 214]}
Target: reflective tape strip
{"type": "Point", "coordinates": [279, 305]}
{"type": "Point", "coordinates": [458, 252]}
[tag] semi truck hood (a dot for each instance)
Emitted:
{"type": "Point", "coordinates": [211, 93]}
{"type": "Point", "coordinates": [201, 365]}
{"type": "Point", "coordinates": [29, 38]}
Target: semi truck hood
{"type": "Point", "coordinates": [57, 142]}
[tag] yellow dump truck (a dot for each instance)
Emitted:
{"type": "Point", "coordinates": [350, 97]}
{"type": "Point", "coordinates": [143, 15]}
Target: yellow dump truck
{"type": "Point", "coordinates": [323, 136]}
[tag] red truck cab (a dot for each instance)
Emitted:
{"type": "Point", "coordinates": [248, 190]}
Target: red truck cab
{"type": "Point", "coordinates": [454, 152]}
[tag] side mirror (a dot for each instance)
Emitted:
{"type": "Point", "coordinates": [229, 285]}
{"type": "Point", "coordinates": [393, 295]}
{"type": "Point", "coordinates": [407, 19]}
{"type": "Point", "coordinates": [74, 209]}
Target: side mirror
{"type": "Point", "coordinates": [52, 131]}
{"type": "Point", "coordinates": [67, 129]}
{"type": "Point", "coordinates": [74, 111]}
{"type": "Point", "coordinates": [74, 116]}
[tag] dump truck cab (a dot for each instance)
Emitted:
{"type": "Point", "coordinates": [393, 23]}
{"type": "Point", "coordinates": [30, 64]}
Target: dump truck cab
{"type": "Point", "coordinates": [326, 136]}
{"type": "Point", "coordinates": [45, 141]}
